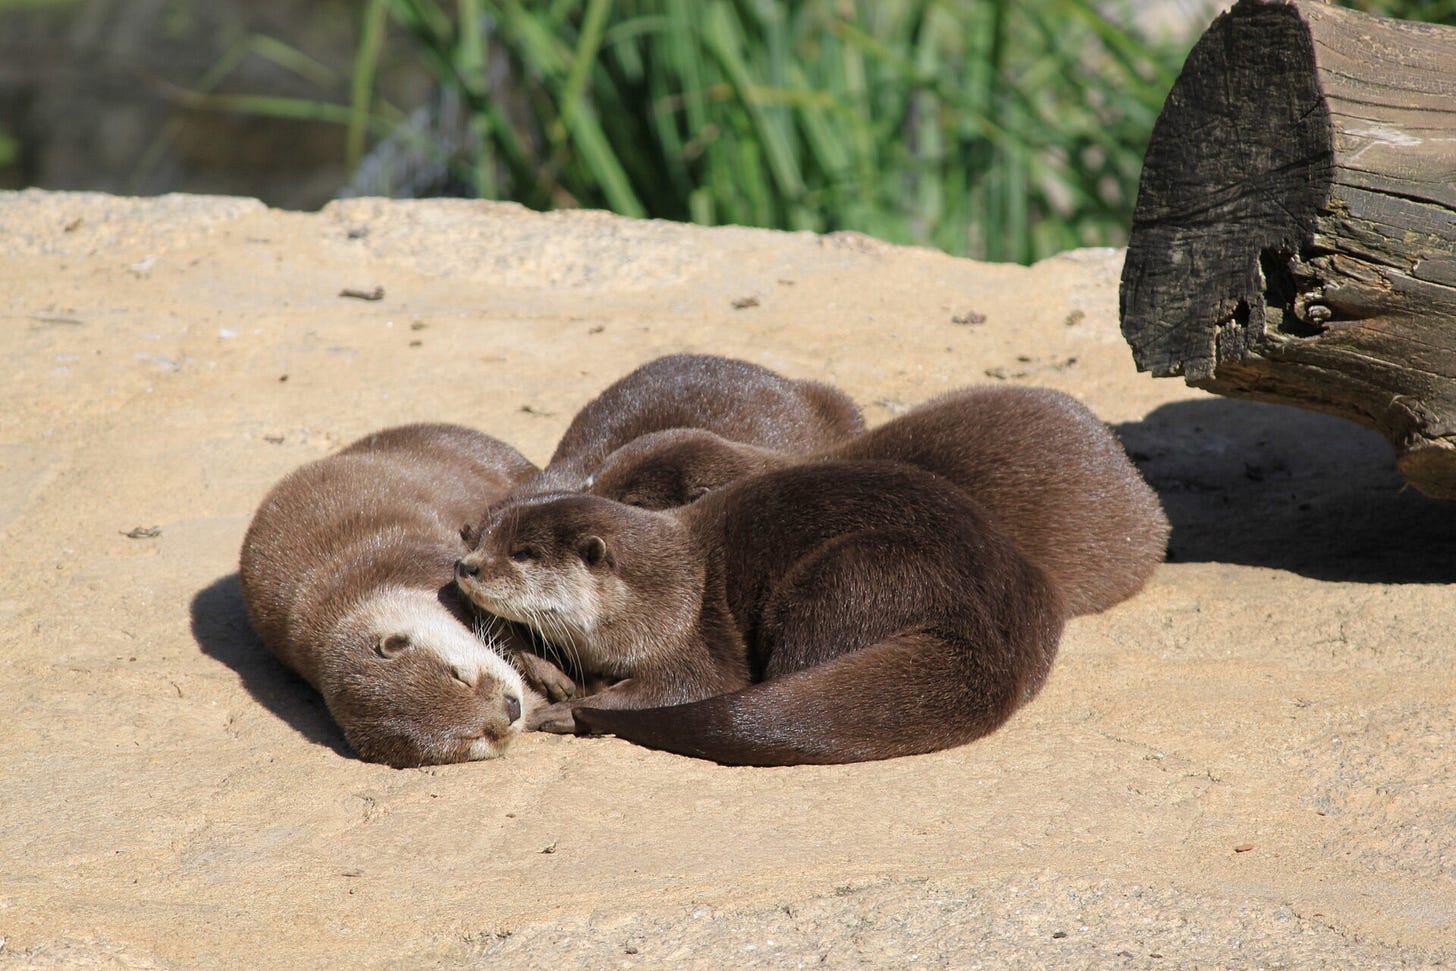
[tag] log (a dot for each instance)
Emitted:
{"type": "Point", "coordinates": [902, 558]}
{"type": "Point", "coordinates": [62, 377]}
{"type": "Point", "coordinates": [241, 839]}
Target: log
{"type": "Point", "coordinates": [1294, 237]}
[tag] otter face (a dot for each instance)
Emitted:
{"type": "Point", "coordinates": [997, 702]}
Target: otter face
{"type": "Point", "coordinates": [530, 568]}
{"type": "Point", "coordinates": [565, 565]}
{"type": "Point", "coordinates": [423, 690]}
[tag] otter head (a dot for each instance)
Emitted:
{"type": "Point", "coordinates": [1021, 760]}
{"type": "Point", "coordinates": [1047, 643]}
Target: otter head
{"type": "Point", "coordinates": [671, 468]}
{"type": "Point", "coordinates": [418, 688]}
{"type": "Point", "coordinates": [598, 579]}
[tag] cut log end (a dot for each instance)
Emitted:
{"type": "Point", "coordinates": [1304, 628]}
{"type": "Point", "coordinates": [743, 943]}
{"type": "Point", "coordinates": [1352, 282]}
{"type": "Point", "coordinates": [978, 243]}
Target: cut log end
{"type": "Point", "coordinates": [1237, 170]}
{"type": "Point", "coordinates": [1296, 220]}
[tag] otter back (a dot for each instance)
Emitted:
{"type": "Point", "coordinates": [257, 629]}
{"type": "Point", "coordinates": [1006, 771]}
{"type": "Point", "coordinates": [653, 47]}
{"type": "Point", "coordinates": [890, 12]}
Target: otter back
{"type": "Point", "coordinates": [1039, 461]}
{"type": "Point", "coordinates": [739, 400]}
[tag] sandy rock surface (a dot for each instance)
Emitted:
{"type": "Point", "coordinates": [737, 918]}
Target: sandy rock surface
{"type": "Point", "coordinates": [1248, 765]}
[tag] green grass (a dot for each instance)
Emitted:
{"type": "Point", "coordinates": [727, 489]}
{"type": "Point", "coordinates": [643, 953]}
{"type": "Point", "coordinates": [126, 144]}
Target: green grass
{"type": "Point", "coordinates": [1430, 11]}
{"type": "Point", "coordinates": [1000, 130]}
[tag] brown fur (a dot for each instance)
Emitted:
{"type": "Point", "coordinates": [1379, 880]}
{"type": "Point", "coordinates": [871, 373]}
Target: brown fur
{"type": "Point", "coordinates": [740, 401]}
{"type": "Point", "coordinates": [555, 563]}
{"type": "Point", "coordinates": [1042, 464]}
{"type": "Point", "coordinates": [346, 574]}
{"type": "Point", "coordinates": [827, 612]}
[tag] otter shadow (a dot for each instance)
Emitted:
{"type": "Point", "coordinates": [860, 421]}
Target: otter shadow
{"type": "Point", "coordinates": [220, 626]}
{"type": "Point", "coordinates": [1275, 486]}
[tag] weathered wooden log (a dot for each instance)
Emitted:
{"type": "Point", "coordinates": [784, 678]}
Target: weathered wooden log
{"type": "Point", "coordinates": [1295, 231]}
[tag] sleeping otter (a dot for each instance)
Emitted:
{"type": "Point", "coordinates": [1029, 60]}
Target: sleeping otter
{"type": "Point", "coordinates": [346, 574]}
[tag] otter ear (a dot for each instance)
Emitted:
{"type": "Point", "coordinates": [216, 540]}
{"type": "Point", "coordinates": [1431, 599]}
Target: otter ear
{"type": "Point", "coordinates": [593, 550]}
{"type": "Point", "coordinates": [391, 644]}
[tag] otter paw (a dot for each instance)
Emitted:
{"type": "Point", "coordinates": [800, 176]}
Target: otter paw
{"type": "Point", "coordinates": [545, 677]}
{"type": "Point", "coordinates": [557, 718]}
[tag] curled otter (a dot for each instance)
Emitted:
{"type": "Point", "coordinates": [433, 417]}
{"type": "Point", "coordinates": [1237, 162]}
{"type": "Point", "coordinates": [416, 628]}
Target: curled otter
{"type": "Point", "coordinates": [825, 612]}
{"type": "Point", "coordinates": [346, 574]}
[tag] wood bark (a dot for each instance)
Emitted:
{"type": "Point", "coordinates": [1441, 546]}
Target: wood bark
{"type": "Point", "coordinates": [1294, 238]}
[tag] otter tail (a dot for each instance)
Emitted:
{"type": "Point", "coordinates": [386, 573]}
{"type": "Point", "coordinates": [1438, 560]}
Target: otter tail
{"type": "Point", "coordinates": [904, 695]}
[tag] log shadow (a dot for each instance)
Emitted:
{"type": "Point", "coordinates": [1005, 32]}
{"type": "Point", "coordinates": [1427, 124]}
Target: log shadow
{"type": "Point", "coordinates": [221, 628]}
{"type": "Point", "coordinates": [1280, 487]}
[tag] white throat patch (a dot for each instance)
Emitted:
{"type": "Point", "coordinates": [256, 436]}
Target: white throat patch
{"type": "Point", "coordinates": [429, 626]}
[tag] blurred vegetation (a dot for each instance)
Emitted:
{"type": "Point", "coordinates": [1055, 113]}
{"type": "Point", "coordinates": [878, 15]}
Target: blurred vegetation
{"type": "Point", "coordinates": [9, 148]}
{"type": "Point", "coordinates": [1430, 11]}
{"type": "Point", "coordinates": [987, 128]}
{"type": "Point", "coordinates": [1000, 130]}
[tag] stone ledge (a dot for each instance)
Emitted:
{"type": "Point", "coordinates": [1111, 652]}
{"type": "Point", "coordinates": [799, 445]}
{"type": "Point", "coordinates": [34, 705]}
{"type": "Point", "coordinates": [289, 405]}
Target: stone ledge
{"type": "Point", "coordinates": [1244, 763]}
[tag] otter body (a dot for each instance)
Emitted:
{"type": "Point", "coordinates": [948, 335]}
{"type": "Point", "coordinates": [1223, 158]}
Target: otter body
{"type": "Point", "coordinates": [826, 612]}
{"type": "Point", "coordinates": [346, 575]}
{"type": "Point", "coordinates": [735, 399]}
{"type": "Point", "coordinates": [1052, 475]}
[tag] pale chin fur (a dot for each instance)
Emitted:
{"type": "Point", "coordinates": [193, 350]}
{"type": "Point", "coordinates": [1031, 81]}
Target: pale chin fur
{"type": "Point", "coordinates": [565, 614]}
{"type": "Point", "coordinates": [497, 606]}
{"type": "Point", "coordinates": [429, 626]}
{"type": "Point", "coordinates": [568, 611]}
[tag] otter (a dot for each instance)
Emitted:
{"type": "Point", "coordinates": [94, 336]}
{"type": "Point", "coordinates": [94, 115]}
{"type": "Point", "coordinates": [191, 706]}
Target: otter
{"type": "Point", "coordinates": [824, 612]}
{"type": "Point", "coordinates": [346, 574]}
{"type": "Point", "coordinates": [1044, 466]}
{"type": "Point", "coordinates": [741, 401]}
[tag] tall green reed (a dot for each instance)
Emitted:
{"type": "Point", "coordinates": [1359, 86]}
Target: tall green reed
{"type": "Point", "coordinates": [1000, 130]}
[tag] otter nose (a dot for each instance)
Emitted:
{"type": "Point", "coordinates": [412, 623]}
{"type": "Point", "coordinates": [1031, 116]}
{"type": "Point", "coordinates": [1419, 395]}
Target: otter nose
{"type": "Point", "coordinates": [463, 569]}
{"type": "Point", "coordinates": [513, 709]}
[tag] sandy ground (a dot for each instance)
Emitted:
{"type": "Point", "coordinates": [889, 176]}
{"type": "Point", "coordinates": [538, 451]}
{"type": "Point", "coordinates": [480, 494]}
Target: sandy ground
{"type": "Point", "coordinates": [1248, 765]}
